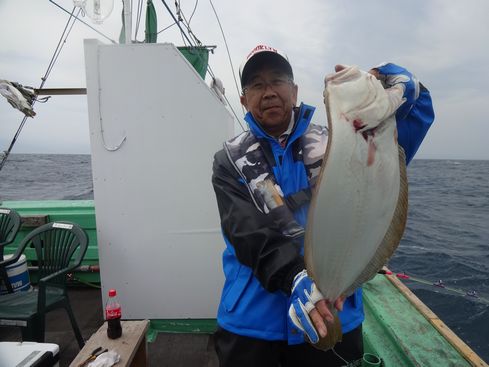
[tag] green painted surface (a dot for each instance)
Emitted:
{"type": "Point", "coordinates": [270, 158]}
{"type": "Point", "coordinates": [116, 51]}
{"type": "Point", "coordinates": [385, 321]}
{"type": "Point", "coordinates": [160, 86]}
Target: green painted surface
{"type": "Point", "coordinates": [198, 57]}
{"type": "Point", "coordinates": [81, 212]}
{"type": "Point", "coordinates": [399, 334]}
{"type": "Point", "coordinates": [194, 326]}
{"type": "Point", "coordinates": [393, 329]}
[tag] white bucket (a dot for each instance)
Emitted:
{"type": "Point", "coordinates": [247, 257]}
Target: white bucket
{"type": "Point", "coordinates": [18, 275]}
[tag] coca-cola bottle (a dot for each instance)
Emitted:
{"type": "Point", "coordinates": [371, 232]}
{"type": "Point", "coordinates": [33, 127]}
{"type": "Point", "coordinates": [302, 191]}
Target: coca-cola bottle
{"type": "Point", "coordinates": [113, 315]}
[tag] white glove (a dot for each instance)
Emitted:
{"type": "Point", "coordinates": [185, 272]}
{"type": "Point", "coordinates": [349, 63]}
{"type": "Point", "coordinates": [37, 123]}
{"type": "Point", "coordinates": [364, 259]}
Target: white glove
{"type": "Point", "coordinates": [303, 298]}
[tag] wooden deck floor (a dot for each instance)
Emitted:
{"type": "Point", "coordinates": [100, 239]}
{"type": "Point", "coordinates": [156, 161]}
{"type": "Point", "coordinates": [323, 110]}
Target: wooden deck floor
{"type": "Point", "coordinates": [167, 350]}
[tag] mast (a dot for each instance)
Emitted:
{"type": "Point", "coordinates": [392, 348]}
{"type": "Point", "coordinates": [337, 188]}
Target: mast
{"type": "Point", "coordinates": [127, 21]}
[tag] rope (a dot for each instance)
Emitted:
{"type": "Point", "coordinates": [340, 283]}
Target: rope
{"type": "Point", "coordinates": [54, 58]}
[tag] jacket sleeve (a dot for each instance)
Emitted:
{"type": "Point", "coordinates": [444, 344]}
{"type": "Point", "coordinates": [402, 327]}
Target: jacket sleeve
{"type": "Point", "coordinates": [258, 243]}
{"type": "Point", "coordinates": [412, 128]}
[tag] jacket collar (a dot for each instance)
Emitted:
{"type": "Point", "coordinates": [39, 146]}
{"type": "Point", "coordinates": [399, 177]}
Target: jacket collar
{"type": "Point", "coordinates": [302, 115]}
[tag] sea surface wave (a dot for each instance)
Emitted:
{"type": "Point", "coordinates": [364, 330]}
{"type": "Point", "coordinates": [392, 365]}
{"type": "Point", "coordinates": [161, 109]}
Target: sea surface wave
{"type": "Point", "coordinates": [447, 234]}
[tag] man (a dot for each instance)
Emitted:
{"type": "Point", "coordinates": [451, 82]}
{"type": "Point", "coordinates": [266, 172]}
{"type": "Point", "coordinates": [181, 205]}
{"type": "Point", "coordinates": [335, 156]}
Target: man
{"type": "Point", "coordinates": [262, 180]}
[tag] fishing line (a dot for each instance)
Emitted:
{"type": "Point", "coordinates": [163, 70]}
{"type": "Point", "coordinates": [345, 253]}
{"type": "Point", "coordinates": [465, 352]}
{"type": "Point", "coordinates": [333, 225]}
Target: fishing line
{"type": "Point", "coordinates": [340, 357]}
{"type": "Point", "coordinates": [439, 284]}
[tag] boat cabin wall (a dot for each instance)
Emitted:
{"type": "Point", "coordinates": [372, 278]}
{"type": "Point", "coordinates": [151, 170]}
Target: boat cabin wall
{"type": "Point", "coordinates": [154, 128]}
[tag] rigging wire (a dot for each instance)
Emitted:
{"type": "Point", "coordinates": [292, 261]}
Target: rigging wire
{"type": "Point", "coordinates": [164, 29]}
{"type": "Point", "coordinates": [183, 20]}
{"type": "Point", "coordinates": [193, 11]}
{"type": "Point", "coordinates": [177, 22]}
{"type": "Point", "coordinates": [234, 113]}
{"type": "Point", "coordinates": [60, 46]}
{"type": "Point", "coordinates": [187, 25]}
{"type": "Point", "coordinates": [70, 27]}
{"type": "Point", "coordinates": [54, 58]}
{"type": "Point", "coordinates": [229, 54]}
{"type": "Point", "coordinates": [183, 32]}
{"type": "Point", "coordinates": [83, 22]}
{"type": "Point", "coordinates": [209, 69]}
{"type": "Point", "coordinates": [179, 19]}
{"type": "Point", "coordinates": [138, 18]}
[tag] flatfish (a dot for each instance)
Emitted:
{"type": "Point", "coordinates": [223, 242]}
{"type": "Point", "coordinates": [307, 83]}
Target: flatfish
{"type": "Point", "coordinates": [359, 206]}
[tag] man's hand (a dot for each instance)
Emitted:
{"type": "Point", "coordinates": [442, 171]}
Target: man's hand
{"type": "Point", "coordinates": [395, 76]}
{"type": "Point", "coordinates": [308, 309]}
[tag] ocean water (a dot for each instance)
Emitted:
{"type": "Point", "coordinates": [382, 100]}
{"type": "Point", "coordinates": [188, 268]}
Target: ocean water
{"type": "Point", "coordinates": [447, 235]}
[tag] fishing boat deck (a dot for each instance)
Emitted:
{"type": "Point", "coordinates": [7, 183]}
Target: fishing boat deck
{"type": "Point", "coordinates": [167, 350]}
{"type": "Point", "coordinates": [398, 328]}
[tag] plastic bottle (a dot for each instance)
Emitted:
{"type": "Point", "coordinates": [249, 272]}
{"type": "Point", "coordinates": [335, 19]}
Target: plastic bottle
{"type": "Point", "coordinates": [113, 315]}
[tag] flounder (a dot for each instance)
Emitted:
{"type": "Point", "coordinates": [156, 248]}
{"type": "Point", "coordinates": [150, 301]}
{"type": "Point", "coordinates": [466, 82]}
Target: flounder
{"type": "Point", "coordinates": [359, 207]}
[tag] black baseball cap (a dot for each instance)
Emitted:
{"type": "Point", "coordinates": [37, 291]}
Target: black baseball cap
{"type": "Point", "coordinates": [260, 56]}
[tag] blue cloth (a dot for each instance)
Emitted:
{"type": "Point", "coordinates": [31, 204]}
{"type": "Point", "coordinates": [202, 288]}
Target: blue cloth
{"type": "Point", "coordinates": [246, 308]}
{"type": "Point", "coordinates": [415, 116]}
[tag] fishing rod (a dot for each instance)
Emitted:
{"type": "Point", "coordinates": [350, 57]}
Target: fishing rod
{"type": "Point", "coordinates": [54, 58]}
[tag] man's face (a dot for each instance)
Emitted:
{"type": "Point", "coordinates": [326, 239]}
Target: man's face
{"type": "Point", "coordinates": [270, 96]}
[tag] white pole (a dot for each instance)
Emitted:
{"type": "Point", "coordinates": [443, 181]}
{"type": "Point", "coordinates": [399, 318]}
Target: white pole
{"type": "Point", "coordinates": [127, 20]}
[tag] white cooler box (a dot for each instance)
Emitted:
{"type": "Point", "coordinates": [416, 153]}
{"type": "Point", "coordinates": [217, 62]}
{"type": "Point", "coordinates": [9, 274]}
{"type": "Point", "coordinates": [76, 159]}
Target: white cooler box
{"type": "Point", "coordinates": [26, 354]}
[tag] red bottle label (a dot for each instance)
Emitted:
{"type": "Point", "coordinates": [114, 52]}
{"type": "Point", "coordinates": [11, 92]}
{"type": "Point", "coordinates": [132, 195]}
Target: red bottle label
{"type": "Point", "coordinates": [113, 313]}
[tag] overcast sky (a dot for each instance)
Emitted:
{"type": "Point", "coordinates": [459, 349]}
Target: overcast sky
{"type": "Point", "coordinates": [443, 42]}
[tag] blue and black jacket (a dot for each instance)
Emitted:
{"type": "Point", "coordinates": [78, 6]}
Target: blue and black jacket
{"type": "Point", "coordinates": [261, 259]}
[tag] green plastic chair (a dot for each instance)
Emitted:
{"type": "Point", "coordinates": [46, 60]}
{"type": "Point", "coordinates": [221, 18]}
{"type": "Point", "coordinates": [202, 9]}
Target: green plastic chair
{"type": "Point", "coordinates": [60, 248]}
{"type": "Point", "coordinates": [9, 226]}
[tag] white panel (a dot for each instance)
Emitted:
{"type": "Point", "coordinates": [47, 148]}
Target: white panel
{"type": "Point", "coordinates": [158, 227]}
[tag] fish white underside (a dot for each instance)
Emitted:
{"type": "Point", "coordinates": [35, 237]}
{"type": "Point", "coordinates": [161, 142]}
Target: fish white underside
{"type": "Point", "coordinates": [359, 207]}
